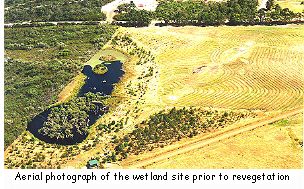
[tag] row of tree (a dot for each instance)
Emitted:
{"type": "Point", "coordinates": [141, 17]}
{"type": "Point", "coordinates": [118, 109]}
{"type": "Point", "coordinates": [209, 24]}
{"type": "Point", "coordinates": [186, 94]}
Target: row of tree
{"type": "Point", "coordinates": [233, 12]}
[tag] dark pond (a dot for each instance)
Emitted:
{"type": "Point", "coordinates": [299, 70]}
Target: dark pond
{"type": "Point", "coordinates": [94, 83]}
{"type": "Point", "coordinates": [101, 83]}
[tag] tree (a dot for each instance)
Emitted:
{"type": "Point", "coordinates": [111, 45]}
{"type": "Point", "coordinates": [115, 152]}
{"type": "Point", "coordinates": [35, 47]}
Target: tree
{"type": "Point", "coordinates": [242, 11]}
{"type": "Point", "coordinates": [262, 14]}
{"type": "Point", "coordinates": [287, 15]}
{"type": "Point", "coordinates": [270, 4]}
{"type": "Point", "coordinates": [275, 14]}
{"type": "Point", "coordinates": [71, 119]}
{"type": "Point", "coordinates": [165, 11]}
{"type": "Point", "coordinates": [134, 17]}
{"type": "Point", "coordinates": [126, 7]}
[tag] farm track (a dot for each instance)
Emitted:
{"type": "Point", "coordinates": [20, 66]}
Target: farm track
{"type": "Point", "coordinates": [207, 140]}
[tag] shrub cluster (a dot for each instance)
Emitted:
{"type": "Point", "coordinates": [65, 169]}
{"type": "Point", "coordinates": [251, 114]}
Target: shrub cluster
{"type": "Point", "coordinates": [73, 117]}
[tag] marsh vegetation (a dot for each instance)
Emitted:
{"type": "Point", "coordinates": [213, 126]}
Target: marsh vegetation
{"type": "Point", "coordinates": [39, 63]}
{"type": "Point", "coordinates": [54, 10]}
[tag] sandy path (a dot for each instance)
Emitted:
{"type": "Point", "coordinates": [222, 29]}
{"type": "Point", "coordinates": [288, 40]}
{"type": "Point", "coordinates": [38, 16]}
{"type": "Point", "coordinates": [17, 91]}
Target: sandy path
{"type": "Point", "coordinates": [263, 4]}
{"type": "Point", "coordinates": [201, 142]}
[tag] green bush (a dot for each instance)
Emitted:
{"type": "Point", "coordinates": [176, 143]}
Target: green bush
{"type": "Point", "coordinates": [100, 69]}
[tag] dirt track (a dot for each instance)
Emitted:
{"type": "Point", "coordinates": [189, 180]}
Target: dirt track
{"type": "Point", "coordinates": [201, 142]}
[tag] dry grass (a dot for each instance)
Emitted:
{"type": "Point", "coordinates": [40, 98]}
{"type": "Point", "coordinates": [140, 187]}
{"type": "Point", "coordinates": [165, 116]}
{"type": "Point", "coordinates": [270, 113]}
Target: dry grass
{"type": "Point", "coordinates": [245, 67]}
{"type": "Point", "coordinates": [72, 88]}
{"type": "Point", "coordinates": [272, 146]}
{"type": "Point", "coordinates": [294, 5]}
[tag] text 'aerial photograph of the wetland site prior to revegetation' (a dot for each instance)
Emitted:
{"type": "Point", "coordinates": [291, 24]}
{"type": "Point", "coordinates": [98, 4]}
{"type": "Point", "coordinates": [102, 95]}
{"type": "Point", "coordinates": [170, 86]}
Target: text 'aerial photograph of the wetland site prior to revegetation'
{"type": "Point", "coordinates": [153, 84]}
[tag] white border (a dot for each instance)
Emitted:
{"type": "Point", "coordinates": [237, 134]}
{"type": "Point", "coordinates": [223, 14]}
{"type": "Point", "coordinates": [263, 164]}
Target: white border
{"type": "Point", "coordinates": [296, 179]}
{"type": "Point", "coordinates": [8, 176]}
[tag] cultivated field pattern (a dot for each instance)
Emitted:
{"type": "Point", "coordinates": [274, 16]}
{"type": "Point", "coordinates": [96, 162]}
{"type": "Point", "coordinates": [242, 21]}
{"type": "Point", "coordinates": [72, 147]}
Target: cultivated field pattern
{"type": "Point", "coordinates": [239, 68]}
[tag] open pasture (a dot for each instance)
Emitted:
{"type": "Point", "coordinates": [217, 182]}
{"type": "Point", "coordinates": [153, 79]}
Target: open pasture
{"type": "Point", "coordinates": [253, 67]}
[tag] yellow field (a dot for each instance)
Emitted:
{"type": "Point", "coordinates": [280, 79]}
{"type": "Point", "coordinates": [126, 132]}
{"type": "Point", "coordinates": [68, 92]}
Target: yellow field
{"type": "Point", "coordinates": [228, 67]}
{"type": "Point", "coordinates": [272, 147]}
{"type": "Point", "coordinates": [294, 5]}
{"type": "Point", "coordinates": [256, 68]}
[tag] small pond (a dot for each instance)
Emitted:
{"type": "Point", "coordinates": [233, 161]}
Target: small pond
{"type": "Point", "coordinates": [101, 83]}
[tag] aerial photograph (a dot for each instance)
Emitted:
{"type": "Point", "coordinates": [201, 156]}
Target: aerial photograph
{"type": "Point", "coordinates": [153, 84]}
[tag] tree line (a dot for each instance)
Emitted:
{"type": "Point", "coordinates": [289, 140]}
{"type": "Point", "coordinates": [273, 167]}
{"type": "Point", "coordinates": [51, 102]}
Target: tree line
{"type": "Point", "coordinates": [231, 12]}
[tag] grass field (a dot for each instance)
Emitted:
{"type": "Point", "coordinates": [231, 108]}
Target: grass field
{"type": "Point", "coordinates": [228, 67]}
{"type": "Point", "coordinates": [255, 68]}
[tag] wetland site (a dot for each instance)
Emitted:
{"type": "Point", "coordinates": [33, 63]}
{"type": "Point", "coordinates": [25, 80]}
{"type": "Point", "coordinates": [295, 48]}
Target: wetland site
{"type": "Point", "coordinates": [158, 85]}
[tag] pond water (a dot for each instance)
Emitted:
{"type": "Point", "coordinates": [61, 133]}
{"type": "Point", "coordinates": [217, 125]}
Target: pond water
{"type": "Point", "coordinates": [94, 83]}
{"type": "Point", "coordinates": [101, 83]}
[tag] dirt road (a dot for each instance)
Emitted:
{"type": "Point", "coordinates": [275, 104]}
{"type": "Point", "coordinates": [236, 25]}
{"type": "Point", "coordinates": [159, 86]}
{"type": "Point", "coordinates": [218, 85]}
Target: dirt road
{"type": "Point", "coordinates": [201, 142]}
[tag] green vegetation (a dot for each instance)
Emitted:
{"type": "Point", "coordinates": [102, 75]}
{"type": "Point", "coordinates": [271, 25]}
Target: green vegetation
{"type": "Point", "coordinates": [72, 118]}
{"type": "Point", "coordinates": [133, 48]}
{"type": "Point", "coordinates": [73, 42]}
{"type": "Point", "coordinates": [29, 88]}
{"type": "Point", "coordinates": [167, 127]}
{"type": "Point", "coordinates": [110, 127]}
{"type": "Point", "coordinates": [40, 62]}
{"type": "Point", "coordinates": [100, 69]}
{"type": "Point", "coordinates": [274, 13]}
{"type": "Point", "coordinates": [133, 16]}
{"type": "Point", "coordinates": [282, 123]}
{"type": "Point", "coordinates": [232, 12]}
{"type": "Point", "coordinates": [54, 10]}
